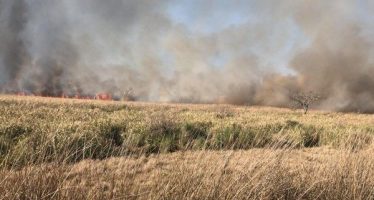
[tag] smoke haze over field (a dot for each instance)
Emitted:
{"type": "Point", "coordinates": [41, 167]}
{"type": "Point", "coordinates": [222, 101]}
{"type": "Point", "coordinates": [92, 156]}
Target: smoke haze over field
{"type": "Point", "coordinates": [241, 52]}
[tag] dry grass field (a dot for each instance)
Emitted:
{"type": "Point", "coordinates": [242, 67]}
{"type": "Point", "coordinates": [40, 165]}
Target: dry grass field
{"type": "Point", "coordinates": [81, 149]}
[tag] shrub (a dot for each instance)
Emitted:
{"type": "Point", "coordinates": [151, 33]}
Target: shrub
{"type": "Point", "coordinates": [112, 133]}
{"type": "Point", "coordinates": [310, 136]}
{"type": "Point", "coordinates": [163, 136]}
{"type": "Point", "coordinates": [226, 137]}
{"type": "Point", "coordinates": [246, 139]}
{"type": "Point", "coordinates": [194, 134]}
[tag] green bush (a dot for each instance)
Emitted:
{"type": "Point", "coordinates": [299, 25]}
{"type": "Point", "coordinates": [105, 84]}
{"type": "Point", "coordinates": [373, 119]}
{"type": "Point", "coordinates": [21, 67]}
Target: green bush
{"type": "Point", "coordinates": [112, 132]}
{"type": "Point", "coordinates": [163, 136]}
{"type": "Point", "coordinates": [194, 135]}
{"type": "Point", "coordinates": [227, 137]}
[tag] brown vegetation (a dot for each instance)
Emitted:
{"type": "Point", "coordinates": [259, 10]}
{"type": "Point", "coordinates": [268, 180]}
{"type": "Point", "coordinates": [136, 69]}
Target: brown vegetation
{"type": "Point", "coordinates": [81, 149]}
{"type": "Point", "coordinates": [319, 173]}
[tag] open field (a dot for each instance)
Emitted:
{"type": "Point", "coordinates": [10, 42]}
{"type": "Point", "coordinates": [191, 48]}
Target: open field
{"type": "Point", "coordinates": [80, 149]}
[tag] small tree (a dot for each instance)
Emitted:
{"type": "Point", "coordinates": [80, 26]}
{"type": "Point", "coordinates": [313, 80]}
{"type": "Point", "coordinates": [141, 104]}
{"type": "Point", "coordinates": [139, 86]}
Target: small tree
{"type": "Point", "coordinates": [304, 100]}
{"type": "Point", "coordinates": [128, 95]}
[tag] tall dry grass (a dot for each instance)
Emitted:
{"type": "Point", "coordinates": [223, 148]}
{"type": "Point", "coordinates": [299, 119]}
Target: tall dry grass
{"type": "Point", "coordinates": [319, 173]}
{"type": "Point", "coordinates": [73, 149]}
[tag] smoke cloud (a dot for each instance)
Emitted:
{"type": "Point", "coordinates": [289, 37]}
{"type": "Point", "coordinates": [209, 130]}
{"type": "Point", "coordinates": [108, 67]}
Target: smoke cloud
{"type": "Point", "coordinates": [240, 52]}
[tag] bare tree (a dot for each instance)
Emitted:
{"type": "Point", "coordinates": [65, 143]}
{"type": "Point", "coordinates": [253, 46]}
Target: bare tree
{"type": "Point", "coordinates": [304, 100]}
{"type": "Point", "coordinates": [128, 95]}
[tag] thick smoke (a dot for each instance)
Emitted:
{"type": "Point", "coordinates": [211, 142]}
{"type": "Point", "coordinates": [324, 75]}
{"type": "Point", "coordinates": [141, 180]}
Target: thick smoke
{"type": "Point", "coordinates": [12, 50]}
{"type": "Point", "coordinates": [338, 62]}
{"type": "Point", "coordinates": [267, 51]}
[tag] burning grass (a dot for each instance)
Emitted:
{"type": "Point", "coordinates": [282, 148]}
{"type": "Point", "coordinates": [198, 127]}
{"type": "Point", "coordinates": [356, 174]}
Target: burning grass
{"type": "Point", "coordinates": [56, 148]}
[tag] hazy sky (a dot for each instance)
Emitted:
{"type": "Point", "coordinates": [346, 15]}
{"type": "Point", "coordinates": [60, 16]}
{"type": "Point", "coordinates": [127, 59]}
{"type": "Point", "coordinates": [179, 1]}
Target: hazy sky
{"type": "Point", "coordinates": [283, 36]}
{"type": "Point", "coordinates": [204, 18]}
